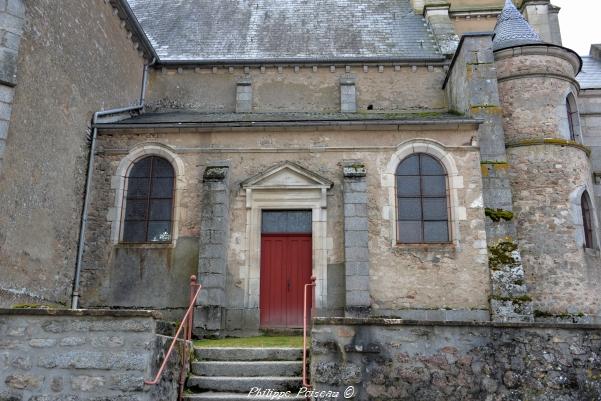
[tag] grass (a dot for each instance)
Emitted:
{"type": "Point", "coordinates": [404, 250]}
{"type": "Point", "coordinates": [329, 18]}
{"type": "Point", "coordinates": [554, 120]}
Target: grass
{"type": "Point", "coordinates": [254, 342]}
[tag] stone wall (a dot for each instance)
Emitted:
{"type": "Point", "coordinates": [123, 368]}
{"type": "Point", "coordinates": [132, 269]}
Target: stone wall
{"type": "Point", "coordinates": [548, 173]}
{"type": "Point", "coordinates": [459, 361]}
{"type": "Point", "coordinates": [55, 355]}
{"type": "Point", "coordinates": [563, 277]}
{"type": "Point", "coordinates": [589, 105]}
{"type": "Point", "coordinates": [549, 73]}
{"type": "Point", "coordinates": [12, 18]}
{"type": "Point", "coordinates": [299, 89]}
{"type": "Point", "coordinates": [472, 88]}
{"type": "Point", "coordinates": [421, 279]}
{"type": "Point", "coordinates": [74, 60]}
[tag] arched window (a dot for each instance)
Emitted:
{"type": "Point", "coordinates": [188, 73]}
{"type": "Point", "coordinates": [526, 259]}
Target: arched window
{"type": "Point", "coordinates": [149, 201]}
{"type": "Point", "coordinates": [573, 118]}
{"type": "Point", "coordinates": [587, 219]}
{"type": "Point", "coordinates": [422, 206]}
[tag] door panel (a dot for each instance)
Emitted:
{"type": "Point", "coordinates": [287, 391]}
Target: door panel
{"type": "Point", "coordinates": [286, 265]}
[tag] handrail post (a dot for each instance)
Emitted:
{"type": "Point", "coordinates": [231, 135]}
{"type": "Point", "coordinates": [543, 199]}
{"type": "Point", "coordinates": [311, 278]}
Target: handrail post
{"type": "Point", "coordinates": [312, 285]}
{"type": "Point", "coordinates": [185, 329]}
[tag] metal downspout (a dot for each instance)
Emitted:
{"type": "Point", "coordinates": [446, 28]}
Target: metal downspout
{"type": "Point", "coordinates": [86, 202]}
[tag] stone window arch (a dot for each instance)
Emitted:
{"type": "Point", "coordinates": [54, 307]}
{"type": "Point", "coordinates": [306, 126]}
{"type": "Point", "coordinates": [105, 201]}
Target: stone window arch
{"type": "Point", "coordinates": [573, 117]}
{"type": "Point", "coordinates": [422, 200]}
{"type": "Point", "coordinates": [584, 218]}
{"type": "Point", "coordinates": [456, 210]}
{"type": "Point", "coordinates": [120, 182]}
{"type": "Point", "coordinates": [148, 210]}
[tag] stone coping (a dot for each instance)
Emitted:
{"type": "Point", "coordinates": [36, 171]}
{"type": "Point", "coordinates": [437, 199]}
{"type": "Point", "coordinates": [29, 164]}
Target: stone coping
{"type": "Point", "coordinates": [550, 141]}
{"type": "Point", "coordinates": [376, 321]}
{"type": "Point", "coordinates": [80, 312]}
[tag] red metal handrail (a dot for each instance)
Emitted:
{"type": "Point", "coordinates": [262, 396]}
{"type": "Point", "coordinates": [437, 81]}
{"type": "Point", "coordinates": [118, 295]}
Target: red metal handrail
{"type": "Point", "coordinates": [187, 324]}
{"type": "Point", "coordinates": [312, 285]}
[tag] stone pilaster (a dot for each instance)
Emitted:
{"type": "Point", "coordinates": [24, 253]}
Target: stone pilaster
{"type": "Point", "coordinates": [442, 27]}
{"type": "Point", "coordinates": [356, 251]}
{"type": "Point", "coordinates": [348, 95]}
{"type": "Point", "coordinates": [473, 90]}
{"type": "Point", "coordinates": [12, 18]}
{"type": "Point", "coordinates": [212, 261]}
{"type": "Point", "coordinates": [244, 96]}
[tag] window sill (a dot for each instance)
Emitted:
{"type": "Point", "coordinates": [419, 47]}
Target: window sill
{"type": "Point", "coordinates": [441, 246]}
{"type": "Point", "coordinates": [149, 245]}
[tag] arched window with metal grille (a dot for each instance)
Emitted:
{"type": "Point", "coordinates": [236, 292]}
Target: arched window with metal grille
{"type": "Point", "coordinates": [587, 219]}
{"type": "Point", "coordinates": [148, 212]}
{"type": "Point", "coordinates": [422, 201]}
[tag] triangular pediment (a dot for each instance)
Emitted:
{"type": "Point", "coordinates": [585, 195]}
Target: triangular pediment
{"type": "Point", "coordinates": [287, 175]}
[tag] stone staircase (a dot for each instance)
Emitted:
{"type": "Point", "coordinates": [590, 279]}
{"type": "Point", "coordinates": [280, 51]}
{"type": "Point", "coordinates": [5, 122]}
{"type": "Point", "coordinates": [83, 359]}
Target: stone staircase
{"type": "Point", "coordinates": [229, 374]}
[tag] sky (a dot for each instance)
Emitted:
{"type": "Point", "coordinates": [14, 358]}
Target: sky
{"type": "Point", "coordinates": [580, 22]}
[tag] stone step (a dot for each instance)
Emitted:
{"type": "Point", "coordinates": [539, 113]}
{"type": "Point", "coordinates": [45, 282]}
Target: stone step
{"type": "Point", "coordinates": [247, 368]}
{"type": "Point", "coordinates": [212, 396]}
{"type": "Point", "coordinates": [248, 354]}
{"type": "Point", "coordinates": [243, 384]}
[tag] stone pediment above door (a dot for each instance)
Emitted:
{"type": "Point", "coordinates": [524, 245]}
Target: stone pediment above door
{"type": "Point", "coordinates": [287, 175]}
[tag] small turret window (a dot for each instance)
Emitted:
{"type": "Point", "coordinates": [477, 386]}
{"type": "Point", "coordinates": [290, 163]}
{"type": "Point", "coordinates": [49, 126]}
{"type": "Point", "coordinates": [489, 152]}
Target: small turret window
{"type": "Point", "coordinates": [573, 118]}
{"type": "Point", "coordinates": [587, 220]}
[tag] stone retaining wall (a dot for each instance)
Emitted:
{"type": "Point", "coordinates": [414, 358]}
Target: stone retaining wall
{"type": "Point", "coordinates": [63, 355]}
{"type": "Point", "coordinates": [387, 359]}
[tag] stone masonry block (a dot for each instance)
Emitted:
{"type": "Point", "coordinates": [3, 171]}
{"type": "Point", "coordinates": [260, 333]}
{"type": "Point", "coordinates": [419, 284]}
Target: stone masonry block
{"type": "Point", "coordinates": [357, 268]}
{"type": "Point", "coordinates": [211, 296]}
{"type": "Point", "coordinates": [16, 8]}
{"type": "Point", "coordinates": [357, 185]}
{"type": "Point", "coordinates": [355, 210]}
{"type": "Point", "coordinates": [93, 360]}
{"type": "Point", "coordinates": [10, 40]}
{"type": "Point", "coordinates": [355, 197]}
{"type": "Point", "coordinates": [357, 283]}
{"type": "Point", "coordinates": [6, 94]}
{"type": "Point", "coordinates": [357, 254]}
{"type": "Point", "coordinates": [5, 111]}
{"type": "Point", "coordinates": [211, 265]}
{"type": "Point", "coordinates": [356, 238]}
{"type": "Point", "coordinates": [358, 298]}
{"type": "Point", "coordinates": [214, 280]}
{"type": "Point", "coordinates": [356, 224]}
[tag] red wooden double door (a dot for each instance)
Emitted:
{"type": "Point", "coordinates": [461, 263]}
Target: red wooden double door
{"type": "Point", "coordinates": [286, 266]}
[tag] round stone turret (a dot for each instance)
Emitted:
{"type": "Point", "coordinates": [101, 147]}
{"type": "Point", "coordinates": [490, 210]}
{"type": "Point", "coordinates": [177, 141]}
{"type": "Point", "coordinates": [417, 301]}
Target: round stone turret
{"type": "Point", "coordinates": [549, 168]}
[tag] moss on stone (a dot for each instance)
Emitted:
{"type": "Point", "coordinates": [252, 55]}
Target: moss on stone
{"type": "Point", "coordinates": [562, 315]}
{"type": "Point", "coordinates": [521, 299]}
{"type": "Point", "coordinates": [501, 254]}
{"type": "Point", "coordinates": [497, 214]}
{"type": "Point", "coordinates": [30, 306]}
{"type": "Point", "coordinates": [550, 141]}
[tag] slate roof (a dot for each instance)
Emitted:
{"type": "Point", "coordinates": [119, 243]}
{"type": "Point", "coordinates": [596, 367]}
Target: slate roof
{"type": "Point", "coordinates": [512, 29]}
{"type": "Point", "coordinates": [590, 76]}
{"type": "Point", "coordinates": [183, 118]}
{"type": "Point", "coordinates": [272, 30]}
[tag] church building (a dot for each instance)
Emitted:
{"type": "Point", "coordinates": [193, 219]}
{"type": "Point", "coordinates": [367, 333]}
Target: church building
{"type": "Point", "coordinates": [417, 160]}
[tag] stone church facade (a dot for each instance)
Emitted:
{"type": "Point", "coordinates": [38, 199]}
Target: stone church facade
{"type": "Point", "coordinates": [504, 225]}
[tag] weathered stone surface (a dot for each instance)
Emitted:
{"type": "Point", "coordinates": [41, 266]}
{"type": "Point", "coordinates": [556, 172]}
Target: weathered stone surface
{"type": "Point", "coordinates": [38, 243]}
{"type": "Point", "coordinates": [104, 356]}
{"type": "Point", "coordinates": [458, 362]}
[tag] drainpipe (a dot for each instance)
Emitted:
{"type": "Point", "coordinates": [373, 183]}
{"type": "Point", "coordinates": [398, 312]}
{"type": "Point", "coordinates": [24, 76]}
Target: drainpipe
{"type": "Point", "coordinates": [87, 197]}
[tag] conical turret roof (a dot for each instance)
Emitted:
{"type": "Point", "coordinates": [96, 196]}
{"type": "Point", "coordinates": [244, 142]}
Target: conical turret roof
{"type": "Point", "coordinates": [512, 29]}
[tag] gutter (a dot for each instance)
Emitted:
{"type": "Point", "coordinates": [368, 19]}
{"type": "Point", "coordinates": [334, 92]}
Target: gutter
{"type": "Point", "coordinates": [86, 203]}
{"type": "Point", "coordinates": [290, 123]}
{"type": "Point", "coordinates": [306, 60]}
